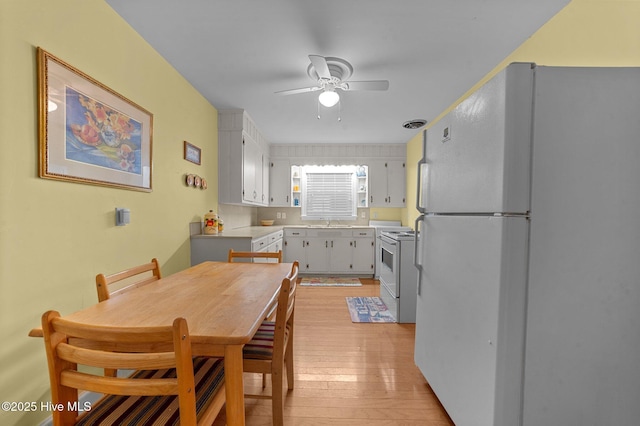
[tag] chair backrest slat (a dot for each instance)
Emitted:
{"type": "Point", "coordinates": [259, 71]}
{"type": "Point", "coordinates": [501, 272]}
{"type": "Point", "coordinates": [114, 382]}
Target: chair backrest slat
{"type": "Point", "coordinates": [119, 386]}
{"type": "Point", "coordinates": [108, 359]}
{"type": "Point", "coordinates": [254, 255]}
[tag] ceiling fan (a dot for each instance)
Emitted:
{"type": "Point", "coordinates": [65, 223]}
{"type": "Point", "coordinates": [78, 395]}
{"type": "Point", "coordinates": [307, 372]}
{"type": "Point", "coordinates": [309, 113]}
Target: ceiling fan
{"type": "Point", "coordinates": [331, 75]}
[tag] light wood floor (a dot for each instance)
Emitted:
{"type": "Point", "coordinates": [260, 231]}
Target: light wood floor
{"type": "Point", "coordinates": [346, 373]}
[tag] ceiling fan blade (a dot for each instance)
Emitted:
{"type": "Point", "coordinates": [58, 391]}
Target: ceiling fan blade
{"type": "Point", "coordinates": [320, 65]}
{"type": "Point", "coordinates": [365, 85]}
{"type": "Point", "coordinates": [296, 91]}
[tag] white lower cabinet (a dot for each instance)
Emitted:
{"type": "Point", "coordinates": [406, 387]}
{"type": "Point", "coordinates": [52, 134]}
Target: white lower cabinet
{"type": "Point", "coordinates": [331, 251]}
{"type": "Point", "coordinates": [271, 243]}
{"type": "Point", "coordinates": [364, 251]}
{"type": "Point", "coordinates": [216, 247]}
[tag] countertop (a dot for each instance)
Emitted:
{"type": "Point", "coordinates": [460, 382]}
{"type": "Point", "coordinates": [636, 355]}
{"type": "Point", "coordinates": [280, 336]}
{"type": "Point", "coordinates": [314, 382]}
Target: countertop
{"type": "Point", "coordinates": [261, 231]}
{"type": "Point", "coordinates": [245, 232]}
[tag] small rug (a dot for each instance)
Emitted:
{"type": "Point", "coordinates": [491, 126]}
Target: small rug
{"type": "Point", "coordinates": [330, 282]}
{"type": "Point", "coordinates": [368, 309]}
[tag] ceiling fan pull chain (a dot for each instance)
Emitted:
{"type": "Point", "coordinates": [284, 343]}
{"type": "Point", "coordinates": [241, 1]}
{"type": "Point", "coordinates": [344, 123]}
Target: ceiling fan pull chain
{"type": "Point", "coordinates": [318, 110]}
{"type": "Point", "coordinates": [339, 110]}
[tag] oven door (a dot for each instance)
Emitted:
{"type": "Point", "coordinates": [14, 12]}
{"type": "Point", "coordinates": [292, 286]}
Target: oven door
{"type": "Point", "coordinates": [389, 265]}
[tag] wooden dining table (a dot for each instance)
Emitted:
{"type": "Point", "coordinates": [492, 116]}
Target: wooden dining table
{"type": "Point", "coordinates": [223, 303]}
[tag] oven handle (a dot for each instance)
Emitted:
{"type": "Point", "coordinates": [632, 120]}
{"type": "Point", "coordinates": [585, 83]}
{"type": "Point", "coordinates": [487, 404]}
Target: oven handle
{"type": "Point", "coordinates": [417, 256]}
{"type": "Point", "coordinates": [387, 240]}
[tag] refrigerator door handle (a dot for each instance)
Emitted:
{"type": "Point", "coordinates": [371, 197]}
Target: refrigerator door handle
{"type": "Point", "coordinates": [423, 162]}
{"type": "Point", "coordinates": [417, 255]}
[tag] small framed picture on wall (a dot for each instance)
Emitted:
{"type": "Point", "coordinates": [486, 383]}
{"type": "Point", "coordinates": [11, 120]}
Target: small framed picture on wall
{"type": "Point", "coordinates": [192, 153]}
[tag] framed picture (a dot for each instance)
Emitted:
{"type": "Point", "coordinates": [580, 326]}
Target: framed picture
{"type": "Point", "coordinates": [89, 133]}
{"type": "Point", "coordinates": [192, 153]}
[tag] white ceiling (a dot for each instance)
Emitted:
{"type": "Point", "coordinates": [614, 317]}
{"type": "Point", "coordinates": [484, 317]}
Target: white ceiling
{"type": "Point", "coordinates": [237, 53]}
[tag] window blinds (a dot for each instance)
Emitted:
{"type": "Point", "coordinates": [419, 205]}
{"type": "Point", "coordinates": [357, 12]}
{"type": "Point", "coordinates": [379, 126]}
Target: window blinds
{"type": "Point", "coordinates": [329, 194]}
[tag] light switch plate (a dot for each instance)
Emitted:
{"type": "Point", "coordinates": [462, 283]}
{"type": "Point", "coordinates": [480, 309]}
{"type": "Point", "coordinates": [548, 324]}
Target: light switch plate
{"type": "Point", "coordinates": [123, 216]}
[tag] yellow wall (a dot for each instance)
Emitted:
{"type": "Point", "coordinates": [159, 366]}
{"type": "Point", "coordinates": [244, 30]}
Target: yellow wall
{"type": "Point", "coordinates": [584, 33]}
{"type": "Point", "coordinates": [56, 236]}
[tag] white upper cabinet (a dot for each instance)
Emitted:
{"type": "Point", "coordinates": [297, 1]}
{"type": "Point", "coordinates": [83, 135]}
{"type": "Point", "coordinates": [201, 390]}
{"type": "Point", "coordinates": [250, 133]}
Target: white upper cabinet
{"type": "Point", "coordinates": [387, 183]}
{"type": "Point", "coordinates": [243, 172]}
{"type": "Point", "coordinates": [280, 183]}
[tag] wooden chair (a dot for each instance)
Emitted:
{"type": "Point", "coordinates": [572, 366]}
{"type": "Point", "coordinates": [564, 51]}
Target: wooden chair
{"type": "Point", "coordinates": [103, 282]}
{"type": "Point", "coordinates": [253, 255]}
{"type": "Point", "coordinates": [164, 385]}
{"type": "Point", "coordinates": [271, 349]}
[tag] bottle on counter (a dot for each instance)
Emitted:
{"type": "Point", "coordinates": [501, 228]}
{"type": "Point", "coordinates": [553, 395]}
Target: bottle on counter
{"type": "Point", "coordinates": [210, 223]}
{"type": "Point", "coordinates": [220, 225]}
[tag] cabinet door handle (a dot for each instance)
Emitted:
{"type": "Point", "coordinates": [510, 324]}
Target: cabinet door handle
{"type": "Point", "coordinates": [355, 243]}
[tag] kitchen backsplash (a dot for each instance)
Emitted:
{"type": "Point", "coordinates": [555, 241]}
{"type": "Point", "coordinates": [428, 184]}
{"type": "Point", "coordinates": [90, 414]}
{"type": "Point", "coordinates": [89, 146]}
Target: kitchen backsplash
{"type": "Point", "coordinates": [292, 217]}
{"type": "Point", "coordinates": [237, 216]}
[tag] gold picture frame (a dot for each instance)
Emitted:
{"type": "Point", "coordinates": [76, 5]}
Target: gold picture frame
{"type": "Point", "coordinates": [88, 133]}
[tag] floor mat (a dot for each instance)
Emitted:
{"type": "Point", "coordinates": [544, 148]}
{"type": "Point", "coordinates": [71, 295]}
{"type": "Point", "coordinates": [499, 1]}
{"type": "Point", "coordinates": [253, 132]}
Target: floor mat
{"type": "Point", "coordinates": [330, 282]}
{"type": "Point", "coordinates": [368, 309]}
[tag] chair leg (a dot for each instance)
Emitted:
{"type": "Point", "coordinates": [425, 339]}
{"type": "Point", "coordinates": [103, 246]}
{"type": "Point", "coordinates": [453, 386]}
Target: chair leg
{"type": "Point", "coordinates": [288, 361]}
{"type": "Point", "coordinates": [277, 398]}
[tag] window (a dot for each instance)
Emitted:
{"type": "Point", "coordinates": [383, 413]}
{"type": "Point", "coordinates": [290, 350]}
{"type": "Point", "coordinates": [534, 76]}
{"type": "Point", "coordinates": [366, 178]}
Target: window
{"type": "Point", "coordinates": [329, 193]}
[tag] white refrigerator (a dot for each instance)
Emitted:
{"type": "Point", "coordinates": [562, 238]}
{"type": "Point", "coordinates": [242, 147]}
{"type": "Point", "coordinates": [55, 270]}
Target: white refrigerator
{"type": "Point", "coordinates": [528, 252]}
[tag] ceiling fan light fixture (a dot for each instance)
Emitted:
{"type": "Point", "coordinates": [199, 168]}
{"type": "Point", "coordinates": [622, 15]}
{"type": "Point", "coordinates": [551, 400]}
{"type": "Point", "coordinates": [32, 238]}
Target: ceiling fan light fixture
{"type": "Point", "coordinates": [329, 98]}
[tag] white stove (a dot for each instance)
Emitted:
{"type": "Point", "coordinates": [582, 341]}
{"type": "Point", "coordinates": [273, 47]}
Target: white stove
{"type": "Point", "coordinates": [398, 274]}
{"type": "Point", "coordinates": [380, 227]}
{"type": "Point", "coordinates": [399, 235]}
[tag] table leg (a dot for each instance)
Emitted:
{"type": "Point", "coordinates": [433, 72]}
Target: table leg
{"type": "Point", "coordinates": [234, 385]}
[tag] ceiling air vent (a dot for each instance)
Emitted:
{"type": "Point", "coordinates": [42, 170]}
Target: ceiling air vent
{"type": "Point", "coordinates": [414, 124]}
